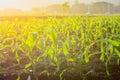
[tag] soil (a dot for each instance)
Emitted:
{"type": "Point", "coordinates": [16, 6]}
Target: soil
{"type": "Point", "coordinates": [10, 70]}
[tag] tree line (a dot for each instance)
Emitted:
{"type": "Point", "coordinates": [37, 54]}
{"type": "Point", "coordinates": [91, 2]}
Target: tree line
{"type": "Point", "coordinates": [66, 8]}
{"type": "Point", "coordinates": [80, 8]}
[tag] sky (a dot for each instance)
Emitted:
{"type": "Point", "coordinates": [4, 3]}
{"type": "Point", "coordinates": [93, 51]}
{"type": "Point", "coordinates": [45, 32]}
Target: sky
{"type": "Point", "coordinates": [28, 4]}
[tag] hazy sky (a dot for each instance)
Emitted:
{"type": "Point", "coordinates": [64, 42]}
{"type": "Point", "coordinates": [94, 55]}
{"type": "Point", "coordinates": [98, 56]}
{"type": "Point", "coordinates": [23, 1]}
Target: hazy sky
{"type": "Point", "coordinates": [28, 4]}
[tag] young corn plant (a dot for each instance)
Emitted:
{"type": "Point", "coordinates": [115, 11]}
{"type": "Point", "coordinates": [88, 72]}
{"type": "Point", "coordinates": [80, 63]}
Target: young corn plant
{"type": "Point", "coordinates": [29, 44]}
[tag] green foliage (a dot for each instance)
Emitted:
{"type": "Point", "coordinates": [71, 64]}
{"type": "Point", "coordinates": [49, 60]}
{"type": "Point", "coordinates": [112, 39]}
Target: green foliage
{"type": "Point", "coordinates": [53, 41]}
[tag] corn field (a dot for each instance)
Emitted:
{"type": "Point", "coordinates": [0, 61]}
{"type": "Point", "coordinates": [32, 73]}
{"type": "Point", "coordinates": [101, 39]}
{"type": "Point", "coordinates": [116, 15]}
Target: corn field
{"type": "Point", "coordinates": [60, 45]}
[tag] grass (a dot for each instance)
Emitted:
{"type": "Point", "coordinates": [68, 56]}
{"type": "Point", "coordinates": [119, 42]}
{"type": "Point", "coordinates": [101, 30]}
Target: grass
{"type": "Point", "coordinates": [54, 41]}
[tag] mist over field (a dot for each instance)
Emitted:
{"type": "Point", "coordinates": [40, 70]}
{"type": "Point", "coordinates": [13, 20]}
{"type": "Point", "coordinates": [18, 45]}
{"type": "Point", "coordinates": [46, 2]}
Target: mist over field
{"type": "Point", "coordinates": [28, 4]}
{"type": "Point", "coordinates": [45, 7]}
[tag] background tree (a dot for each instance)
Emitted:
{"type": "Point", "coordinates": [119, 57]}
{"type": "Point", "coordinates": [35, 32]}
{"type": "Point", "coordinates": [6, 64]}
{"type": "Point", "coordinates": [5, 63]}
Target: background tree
{"type": "Point", "coordinates": [117, 9]}
{"type": "Point", "coordinates": [65, 7]}
{"type": "Point", "coordinates": [54, 9]}
{"type": "Point", "coordinates": [101, 7]}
